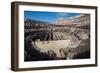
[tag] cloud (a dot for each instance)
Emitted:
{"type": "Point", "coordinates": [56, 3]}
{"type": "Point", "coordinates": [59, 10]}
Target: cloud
{"type": "Point", "coordinates": [62, 14]}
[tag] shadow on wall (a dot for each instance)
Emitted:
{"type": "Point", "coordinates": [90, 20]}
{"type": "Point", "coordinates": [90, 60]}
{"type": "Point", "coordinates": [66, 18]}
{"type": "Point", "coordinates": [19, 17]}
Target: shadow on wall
{"type": "Point", "coordinates": [32, 54]}
{"type": "Point", "coordinates": [83, 55]}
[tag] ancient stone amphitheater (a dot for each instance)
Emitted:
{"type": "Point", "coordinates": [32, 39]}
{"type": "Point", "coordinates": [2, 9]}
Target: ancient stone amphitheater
{"type": "Point", "coordinates": [46, 41]}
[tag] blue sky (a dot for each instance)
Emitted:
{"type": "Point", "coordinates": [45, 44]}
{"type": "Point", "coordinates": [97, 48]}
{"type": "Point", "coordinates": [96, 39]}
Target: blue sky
{"type": "Point", "coordinates": [47, 16]}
